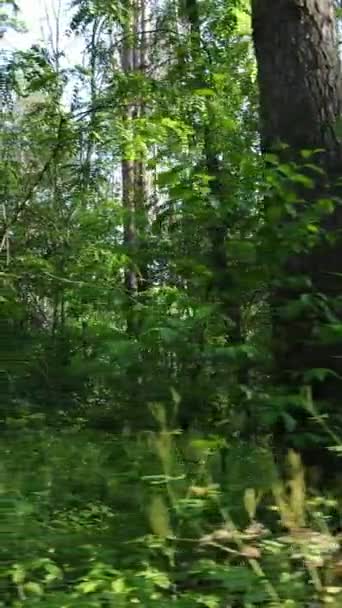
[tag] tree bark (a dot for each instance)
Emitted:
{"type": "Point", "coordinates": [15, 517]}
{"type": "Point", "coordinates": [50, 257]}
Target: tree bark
{"type": "Point", "coordinates": [135, 58]}
{"type": "Point", "coordinates": [128, 163]}
{"type": "Point", "coordinates": [141, 181]}
{"type": "Point", "coordinates": [299, 77]}
{"type": "Point", "coordinates": [299, 74]}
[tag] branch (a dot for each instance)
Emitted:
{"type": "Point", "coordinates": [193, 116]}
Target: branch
{"type": "Point", "coordinates": [21, 206]}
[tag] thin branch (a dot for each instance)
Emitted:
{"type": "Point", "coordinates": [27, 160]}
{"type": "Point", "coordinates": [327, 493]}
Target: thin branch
{"type": "Point", "coordinates": [21, 206]}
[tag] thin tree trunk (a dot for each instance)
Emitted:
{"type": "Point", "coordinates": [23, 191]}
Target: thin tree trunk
{"type": "Point", "coordinates": [141, 176]}
{"type": "Point", "coordinates": [134, 171]}
{"type": "Point", "coordinates": [93, 98]}
{"type": "Point", "coordinates": [127, 164]}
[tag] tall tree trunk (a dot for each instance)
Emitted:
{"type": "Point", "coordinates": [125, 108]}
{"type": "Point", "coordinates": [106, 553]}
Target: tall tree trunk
{"type": "Point", "coordinates": [90, 146]}
{"type": "Point", "coordinates": [141, 182]}
{"type": "Point", "coordinates": [134, 172]}
{"type": "Point", "coordinates": [127, 164]}
{"type": "Point", "coordinates": [299, 74]}
{"type": "Point", "coordinates": [300, 101]}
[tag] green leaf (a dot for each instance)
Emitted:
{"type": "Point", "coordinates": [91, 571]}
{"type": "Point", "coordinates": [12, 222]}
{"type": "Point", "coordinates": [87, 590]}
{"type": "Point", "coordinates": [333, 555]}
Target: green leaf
{"type": "Point", "coordinates": [272, 159]}
{"type": "Point", "coordinates": [119, 586]}
{"type": "Point", "coordinates": [306, 154]}
{"type": "Point", "coordinates": [34, 588]}
{"type": "Point", "coordinates": [304, 180]}
{"type": "Point", "coordinates": [325, 205]}
{"type": "Point", "coordinates": [89, 586]}
{"type": "Point", "coordinates": [318, 373]}
{"type": "Point", "coordinates": [53, 572]}
{"type": "Point", "coordinates": [204, 92]}
{"type": "Point", "coordinates": [157, 577]}
{"type": "Point", "coordinates": [169, 178]}
{"type": "Point", "coordinates": [18, 574]}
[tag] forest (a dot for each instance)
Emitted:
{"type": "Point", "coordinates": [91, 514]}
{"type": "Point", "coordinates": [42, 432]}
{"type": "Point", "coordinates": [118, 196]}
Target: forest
{"type": "Point", "coordinates": [171, 306]}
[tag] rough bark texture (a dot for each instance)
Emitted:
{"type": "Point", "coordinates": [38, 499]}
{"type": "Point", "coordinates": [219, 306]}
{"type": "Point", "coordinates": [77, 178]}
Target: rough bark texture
{"type": "Point", "coordinates": [128, 164]}
{"type": "Point", "coordinates": [128, 169]}
{"type": "Point", "coordinates": [300, 103]}
{"type": "Point", "coordinates": [299, 74]}
{"type": "Point", "coordinates": [141, 177]}
{"type": "Point", "coordinates": [134, 58]}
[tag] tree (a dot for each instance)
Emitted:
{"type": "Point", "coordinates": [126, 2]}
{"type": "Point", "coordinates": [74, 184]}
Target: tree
{"type": "Point", "coordinates": [132, 240]}
{"type": "Point", "coordinates": [299, 71]}
{"type": "Point", "coordinates": [134, 59]}
{"type": "Point", "coordinates": [299, 76]}
{"type": "Point", "coordinates": [9, 17]}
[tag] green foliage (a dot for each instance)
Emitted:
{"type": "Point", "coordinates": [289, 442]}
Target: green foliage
{"type": "Point", "coordinates": [142, 241]}
{"type": "Point", "coordinates": [132, 522]}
